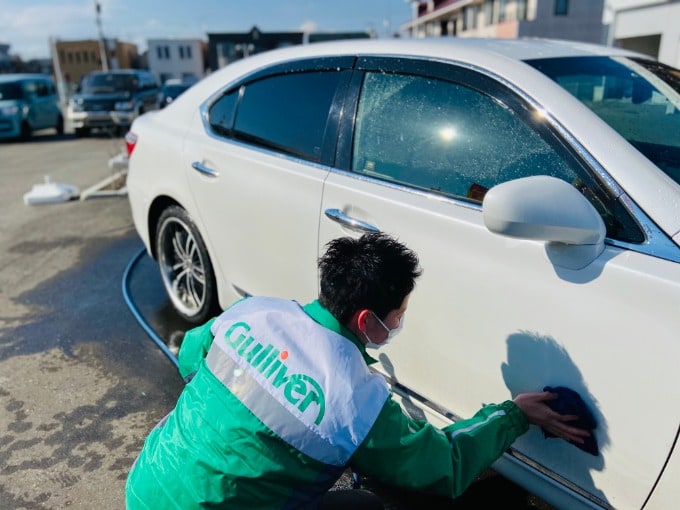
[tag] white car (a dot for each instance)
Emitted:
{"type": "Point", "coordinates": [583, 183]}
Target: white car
{"type": "Point", "coordinates": [539, 183]}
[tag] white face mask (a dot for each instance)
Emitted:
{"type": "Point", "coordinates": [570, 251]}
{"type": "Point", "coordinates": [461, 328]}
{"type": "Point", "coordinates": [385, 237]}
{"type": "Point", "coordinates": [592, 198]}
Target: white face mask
{"type": "Point", "coordinates": [391, 333]}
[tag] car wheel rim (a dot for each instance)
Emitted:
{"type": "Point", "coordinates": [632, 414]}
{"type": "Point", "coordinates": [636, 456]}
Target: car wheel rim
{"type": "Point", "coordinates": [182, 267]}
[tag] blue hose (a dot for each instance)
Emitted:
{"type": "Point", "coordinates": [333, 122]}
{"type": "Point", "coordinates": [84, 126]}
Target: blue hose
{"type": "Point", "coordinates": [138, 316]}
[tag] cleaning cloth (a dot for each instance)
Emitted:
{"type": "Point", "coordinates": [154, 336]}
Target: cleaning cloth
{"type": "Point", "coordinates": [570, 402]}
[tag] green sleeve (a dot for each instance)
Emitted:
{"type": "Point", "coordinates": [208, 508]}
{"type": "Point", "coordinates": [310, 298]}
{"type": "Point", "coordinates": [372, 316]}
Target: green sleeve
{"type": "Point", "coordinates": [415, 455]}
{"type": "Point", "coordinates": [194, 348]}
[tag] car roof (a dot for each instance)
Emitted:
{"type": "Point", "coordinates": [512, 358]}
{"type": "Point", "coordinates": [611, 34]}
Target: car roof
{"type": "Point", "coordinates": [4, 78]}
{"type": "Point", "coordinates": [458, 48]}
{"type": "Point", "coordinates": [176, 86]}
{"type": "Point", "coordinates": [534, 48]}
{"type": "Point", "coordinates": [121, 71]}
{"type": "Point", "coordinates": [505, 57]}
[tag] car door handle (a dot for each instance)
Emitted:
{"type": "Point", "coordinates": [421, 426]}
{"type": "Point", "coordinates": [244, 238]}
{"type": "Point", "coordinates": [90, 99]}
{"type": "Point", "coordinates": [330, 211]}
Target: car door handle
{"type": "Point", "coordinates": [201, 168]}
{"type": "Point", "coordinates": [339, 217]}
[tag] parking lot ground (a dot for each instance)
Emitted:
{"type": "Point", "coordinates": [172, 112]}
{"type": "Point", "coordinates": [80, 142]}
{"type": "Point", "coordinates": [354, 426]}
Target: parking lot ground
{"type": "Point", "coordinates": [81, 385]}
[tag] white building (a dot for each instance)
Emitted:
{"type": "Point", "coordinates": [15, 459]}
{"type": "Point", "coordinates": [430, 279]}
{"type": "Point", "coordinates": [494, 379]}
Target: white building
{"type": "Point", "coordinates": [579, 20]}
{"type": "Point", "coordinates": [182, 59]}
{"type": "Point", "coordinates": [652, 29]}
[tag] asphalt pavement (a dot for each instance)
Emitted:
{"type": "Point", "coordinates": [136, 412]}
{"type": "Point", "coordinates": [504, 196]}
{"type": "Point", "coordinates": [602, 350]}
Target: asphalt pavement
{"type": "Point", "coordinates": [81, 384]}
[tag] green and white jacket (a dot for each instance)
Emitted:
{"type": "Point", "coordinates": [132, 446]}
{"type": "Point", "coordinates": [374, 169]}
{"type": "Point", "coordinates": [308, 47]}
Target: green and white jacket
{"type": "Point", "coordinates": [281, 402]}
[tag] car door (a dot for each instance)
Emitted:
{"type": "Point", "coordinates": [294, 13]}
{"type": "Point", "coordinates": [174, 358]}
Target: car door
{"type": "Point", "coordinates": [43, 105]}
{"type": "Point", "coordinates": [33, 104]}
{"type": "Point", "coordinates": [257, 167]}
{"type": "Point", "coordinates": [492, 317]}
{"type": "Point", "coordinates": [51, 104]}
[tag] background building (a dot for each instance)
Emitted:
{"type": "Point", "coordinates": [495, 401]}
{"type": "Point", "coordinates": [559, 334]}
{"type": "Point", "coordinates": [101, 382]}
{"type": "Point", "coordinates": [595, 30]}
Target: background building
{"type": "Point", "coordinates": [176, 58]}
{"type": "Point", "coordinates": [77, 58]}
{"type": "Point", "coordinates": [650, 29]}
{"type": "Point", "coordinates": [122, 55]}
{"type": "Point", "coordinates": [14, 64]}
{"type": "Point", "coordinates": [227, 47]}
{"type": "Point", "coordinates": [224, 48]}
{"type": "Point", "coordinates": [577, 20]}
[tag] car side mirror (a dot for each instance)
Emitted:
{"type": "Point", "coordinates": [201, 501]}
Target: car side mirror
{"type": "Point", "coordinates": [547, 209]}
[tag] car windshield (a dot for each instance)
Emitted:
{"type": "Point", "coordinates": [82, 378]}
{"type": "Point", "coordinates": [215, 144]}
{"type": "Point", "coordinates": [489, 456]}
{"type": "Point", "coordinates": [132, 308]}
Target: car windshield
{"type": "Point", "coordinates": [174, 90]}
{"type": "Point", "coordinates": [637, 97]}
{"type": "Point", "coordinates": [10, 91]}
{"type": "Point", "coordinates": [109, 83]}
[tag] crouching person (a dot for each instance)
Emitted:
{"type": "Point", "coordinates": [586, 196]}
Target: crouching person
{"type": "Point", "coordinates": [281, 401]}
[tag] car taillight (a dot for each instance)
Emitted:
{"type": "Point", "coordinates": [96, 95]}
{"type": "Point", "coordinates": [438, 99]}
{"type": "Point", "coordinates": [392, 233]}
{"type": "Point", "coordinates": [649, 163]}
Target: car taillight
{"type": "Point", "coordinates": [130, 142]}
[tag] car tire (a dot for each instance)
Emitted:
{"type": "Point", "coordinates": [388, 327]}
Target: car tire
{"type": "Point", "coordinates": [82, 132]}
{"type": "Point", "coordinates": [25, 131]}
{"type": "Point", "coordinates": [59, 127]}
{"type": "Point", "coordinates": [186, 270]}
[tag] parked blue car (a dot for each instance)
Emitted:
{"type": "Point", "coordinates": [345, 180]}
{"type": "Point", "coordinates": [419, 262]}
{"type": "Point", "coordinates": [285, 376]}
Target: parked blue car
{"type": "Point", "coordinates": [28, 102]}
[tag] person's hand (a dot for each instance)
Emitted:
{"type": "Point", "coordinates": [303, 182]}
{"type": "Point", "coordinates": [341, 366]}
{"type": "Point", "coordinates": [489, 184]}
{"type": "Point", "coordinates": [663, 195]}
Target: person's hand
{"type": "Point", "coordinates": [538, 413]}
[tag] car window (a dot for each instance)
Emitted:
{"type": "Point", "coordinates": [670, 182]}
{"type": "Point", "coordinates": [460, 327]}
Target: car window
{"type": "Point", "coordinates": [639, 98]}
{"type": "Point", "coordinates": [41, 89]}
{"type": "Point", "coordinates": [174, 90]}
{"type": "Point", "coordinates": [222, 112]}
{"type": "Point", "coordinates": [30, 88]}
{"type": "Point", "coordinates": [10, 91]}
{"type": "Point", "coordinates": [147, 81]}
{"type": "Point", "coordinates": [447, 138]}
{"type": "Point", "coordinates": [287, 112]}
{"type": "Point", "coordinates": [109, 83]}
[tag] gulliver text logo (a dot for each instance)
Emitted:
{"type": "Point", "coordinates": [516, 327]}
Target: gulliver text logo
{"type": "Point", "coordinates": [300, 390]}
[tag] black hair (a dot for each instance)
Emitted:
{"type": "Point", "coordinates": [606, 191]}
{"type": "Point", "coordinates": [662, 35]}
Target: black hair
{"type": "Point", "coordinates": [374, 272]}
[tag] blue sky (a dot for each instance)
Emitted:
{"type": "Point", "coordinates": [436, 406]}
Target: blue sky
{"type": "Point", "coordinates": [27, 25]}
